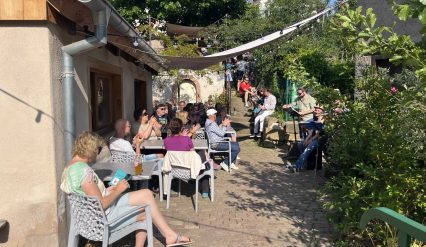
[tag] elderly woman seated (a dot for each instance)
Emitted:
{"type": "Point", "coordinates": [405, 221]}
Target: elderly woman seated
{"type": "Point", "coordinates": [78, 177]}
{"type": "Point", "coordinates": [180, 141]}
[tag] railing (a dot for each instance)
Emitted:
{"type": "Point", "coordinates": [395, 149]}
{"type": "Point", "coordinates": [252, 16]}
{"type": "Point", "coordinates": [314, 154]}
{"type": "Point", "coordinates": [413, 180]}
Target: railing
{"type": "Point", "coordinates": [408, 228]}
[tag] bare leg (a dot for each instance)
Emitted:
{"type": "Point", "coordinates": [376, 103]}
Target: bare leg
{"type": "Point", "coordinates": [238, 85]}
{"type": "Point", "coordinates": [245, 97]}
{"type": "Point", "coordinates": [145, 196]}
{"type": "Point", "coordinates": [140, 238]}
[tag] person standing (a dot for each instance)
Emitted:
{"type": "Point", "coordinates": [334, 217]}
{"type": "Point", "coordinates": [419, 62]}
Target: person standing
{"type": "Point", "coordinates": [266, 110]}
{"type": "Point", "coordinates": [181, 113]}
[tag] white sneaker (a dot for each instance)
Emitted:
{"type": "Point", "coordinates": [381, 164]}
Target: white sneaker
{"type": "Point", "coordinates": [259, 135]}
{"type": "Point", "coordinates": [224, 166]}
{"type": "Point", "coordinates": [238, 158]}
{"type": "Point", "coordinates": [252, 136]}
{"type": "Point", "coordinates": [233, 166]}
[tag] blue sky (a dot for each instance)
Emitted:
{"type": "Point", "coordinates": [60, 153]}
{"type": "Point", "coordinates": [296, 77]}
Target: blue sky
{"type": "Point", "coordinates": [332, 2]}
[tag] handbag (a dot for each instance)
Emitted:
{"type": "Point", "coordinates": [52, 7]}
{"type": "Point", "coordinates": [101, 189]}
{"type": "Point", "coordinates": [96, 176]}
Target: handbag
{"type": "Point", "coordinates": [293, 151]}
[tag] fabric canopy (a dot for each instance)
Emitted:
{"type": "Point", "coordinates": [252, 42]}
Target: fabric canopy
{"type": "Point", "coordinates": [198, 63]}
{"type": "Point", "coordinates": [178, 30]}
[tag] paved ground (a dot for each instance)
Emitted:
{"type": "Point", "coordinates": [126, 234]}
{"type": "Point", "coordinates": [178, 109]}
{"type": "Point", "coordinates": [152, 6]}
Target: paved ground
{"type": "Point", "coordinates": [262, 204]}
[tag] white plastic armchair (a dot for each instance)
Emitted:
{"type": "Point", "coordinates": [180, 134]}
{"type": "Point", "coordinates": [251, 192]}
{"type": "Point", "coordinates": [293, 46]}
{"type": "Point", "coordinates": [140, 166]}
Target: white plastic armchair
{"type": "Point", "coordinates": [211, 149]}
{"type": "Point", "coordinates": [126, 157]}
{"type": "Point", "coordinates": [184, 174]}
{"type": "Point", "coordinates": [88, 219]}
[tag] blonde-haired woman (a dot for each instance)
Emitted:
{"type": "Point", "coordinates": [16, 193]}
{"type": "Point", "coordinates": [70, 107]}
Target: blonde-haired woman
{"type": "Point", "coordinates": [78, 177]}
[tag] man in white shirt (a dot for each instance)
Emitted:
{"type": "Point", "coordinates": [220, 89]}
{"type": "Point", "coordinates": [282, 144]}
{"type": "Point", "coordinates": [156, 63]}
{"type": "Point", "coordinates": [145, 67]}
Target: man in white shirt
{"type": "Point", "coordinates": [267, 109]}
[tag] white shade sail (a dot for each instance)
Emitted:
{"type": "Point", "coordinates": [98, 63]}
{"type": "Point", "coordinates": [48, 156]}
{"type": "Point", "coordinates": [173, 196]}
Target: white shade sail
{"type": "Point", "coordinates": [198, 63]}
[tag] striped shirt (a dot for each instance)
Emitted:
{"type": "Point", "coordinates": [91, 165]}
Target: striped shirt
{"type": "Point", "coordinates": [214, 132]}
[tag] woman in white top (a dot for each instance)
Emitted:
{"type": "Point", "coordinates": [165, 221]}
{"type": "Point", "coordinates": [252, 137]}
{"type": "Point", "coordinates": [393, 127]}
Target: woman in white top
{"type": "Point", "coordinates": [120, 140]}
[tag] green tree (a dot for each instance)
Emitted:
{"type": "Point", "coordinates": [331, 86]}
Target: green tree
{"type": "Point", "coordinates": [183, 12]}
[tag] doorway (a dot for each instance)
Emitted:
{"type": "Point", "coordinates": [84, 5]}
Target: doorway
{"type": "Point", "coordinates": [140, 94]}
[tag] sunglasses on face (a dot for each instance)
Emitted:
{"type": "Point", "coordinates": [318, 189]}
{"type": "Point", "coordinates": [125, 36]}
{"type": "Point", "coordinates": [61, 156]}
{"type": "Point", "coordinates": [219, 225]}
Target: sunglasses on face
{"type": "Point", "coordinates": [145, 114]}
{"type": "Point", "coordinates": [161, 109]}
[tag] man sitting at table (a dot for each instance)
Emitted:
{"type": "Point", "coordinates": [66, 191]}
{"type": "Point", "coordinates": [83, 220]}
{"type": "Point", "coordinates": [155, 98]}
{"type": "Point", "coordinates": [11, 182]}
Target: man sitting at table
{"type": "Point", "coordinates": [216, 134]}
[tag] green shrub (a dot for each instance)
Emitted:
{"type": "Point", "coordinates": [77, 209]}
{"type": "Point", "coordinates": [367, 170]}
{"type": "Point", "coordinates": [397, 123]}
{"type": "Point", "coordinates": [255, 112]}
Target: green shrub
{"type": "Point", "coordinates": [377, 158]}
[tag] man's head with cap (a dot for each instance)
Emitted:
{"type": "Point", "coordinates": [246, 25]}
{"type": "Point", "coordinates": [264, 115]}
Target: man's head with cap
{"type": "Point", "coordinates": [211, 114]}
{"type": "Point", "coordinates": [318, 110]}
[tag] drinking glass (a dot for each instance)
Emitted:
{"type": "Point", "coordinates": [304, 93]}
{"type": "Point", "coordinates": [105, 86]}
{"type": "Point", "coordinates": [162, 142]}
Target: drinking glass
{"type": "Point", "coordinates": [138, 165]}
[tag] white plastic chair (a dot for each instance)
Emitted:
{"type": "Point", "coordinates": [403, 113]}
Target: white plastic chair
{"type": "Point", "coordinates": [125, 157]}
{"type": "Point", "coordinates": [213, 151]}
{"type": "Point", "coordinates": [184, 174]}
{"type": "Point", "coordinates": [88, 219]}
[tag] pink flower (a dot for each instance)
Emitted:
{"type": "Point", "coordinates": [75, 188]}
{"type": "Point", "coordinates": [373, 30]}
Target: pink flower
{"type": "Point", "coordinates": [393, 89]}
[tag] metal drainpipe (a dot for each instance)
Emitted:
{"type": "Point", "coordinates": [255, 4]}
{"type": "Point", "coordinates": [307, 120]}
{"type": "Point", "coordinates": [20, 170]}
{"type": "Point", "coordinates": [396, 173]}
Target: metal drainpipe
{"type": "Point", "coordinates": [100, 20]}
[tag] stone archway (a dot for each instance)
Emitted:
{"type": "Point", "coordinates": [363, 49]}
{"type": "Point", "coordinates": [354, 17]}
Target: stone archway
{"type": "Point", "coordinates": [187, 79]}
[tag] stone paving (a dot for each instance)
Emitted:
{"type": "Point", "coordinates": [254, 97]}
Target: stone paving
{"type": "Point", "coordinates": [261, 204]}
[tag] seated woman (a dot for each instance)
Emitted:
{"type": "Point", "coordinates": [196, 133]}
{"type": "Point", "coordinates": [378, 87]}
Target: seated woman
{"type": "Point", "coordinates": [148, 128]}
{"type": "Point", "coordinates": [180, 140]}
{"type": "Point", "coordinates": [78, 177]}
{"type": "Point", "coordinates": [120, 141]}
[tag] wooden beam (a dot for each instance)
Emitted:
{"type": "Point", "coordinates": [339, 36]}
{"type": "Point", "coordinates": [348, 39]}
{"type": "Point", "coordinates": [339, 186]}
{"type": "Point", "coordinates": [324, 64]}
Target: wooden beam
{"type": "Point", "coordinates": [35, 10]}
{"type": "Point", "coordinates": [74, 11]}
{"type": "Point", "coordinates": [11, 9]}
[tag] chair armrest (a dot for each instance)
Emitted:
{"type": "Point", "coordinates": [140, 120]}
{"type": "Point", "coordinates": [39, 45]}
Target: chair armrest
{"type": "Point", "coordinates": [221, 142]}
{"type": "Point", "coordinates": [126, 214]}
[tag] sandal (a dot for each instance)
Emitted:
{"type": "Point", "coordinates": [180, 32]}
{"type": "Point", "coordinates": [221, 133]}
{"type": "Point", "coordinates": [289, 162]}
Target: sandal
{"type": "Point", "coordinates": [179, 241]}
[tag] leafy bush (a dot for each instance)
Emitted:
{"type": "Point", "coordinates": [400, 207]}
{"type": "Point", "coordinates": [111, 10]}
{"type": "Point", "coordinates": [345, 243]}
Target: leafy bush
{"type": "Point", "coordinates": [377, 157]}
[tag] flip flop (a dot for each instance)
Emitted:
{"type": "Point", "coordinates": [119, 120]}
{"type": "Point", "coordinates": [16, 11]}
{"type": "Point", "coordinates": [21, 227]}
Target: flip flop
{"type": "Point", "coordinates": [179, 242]}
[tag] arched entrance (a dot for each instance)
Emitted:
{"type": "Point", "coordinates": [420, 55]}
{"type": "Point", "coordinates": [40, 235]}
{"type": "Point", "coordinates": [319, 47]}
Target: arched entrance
{"type": "Point", "coordinates": [187, 91]}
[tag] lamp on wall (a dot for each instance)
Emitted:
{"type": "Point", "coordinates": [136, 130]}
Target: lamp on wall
{"type": "Point", "coordinates": [135, 42]}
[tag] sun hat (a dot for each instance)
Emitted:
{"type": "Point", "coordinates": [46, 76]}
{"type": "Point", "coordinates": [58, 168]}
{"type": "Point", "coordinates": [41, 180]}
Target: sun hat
{"type": "Point", "coordinates": [319, 106]}
{"type": "Point", "coordinates": [211, 112]}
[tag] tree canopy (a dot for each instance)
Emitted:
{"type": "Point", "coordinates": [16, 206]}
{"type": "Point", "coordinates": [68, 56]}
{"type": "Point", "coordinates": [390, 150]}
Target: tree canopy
{"type": "Point", "coordinates": [183, 12]}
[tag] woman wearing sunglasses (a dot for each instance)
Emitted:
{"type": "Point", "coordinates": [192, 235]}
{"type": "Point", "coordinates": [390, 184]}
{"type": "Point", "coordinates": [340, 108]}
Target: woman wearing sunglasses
{"type": "Point", "coordinates": [145, 127]}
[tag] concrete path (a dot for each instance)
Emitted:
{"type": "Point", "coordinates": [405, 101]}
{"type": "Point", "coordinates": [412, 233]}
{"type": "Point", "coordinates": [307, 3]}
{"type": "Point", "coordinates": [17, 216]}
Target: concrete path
{"type": "Point", "coordinates": [261, 204]}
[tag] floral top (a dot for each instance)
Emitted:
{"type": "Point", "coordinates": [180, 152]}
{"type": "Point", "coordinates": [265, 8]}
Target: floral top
{"type": "Point", "coordinates": [77, 173]}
